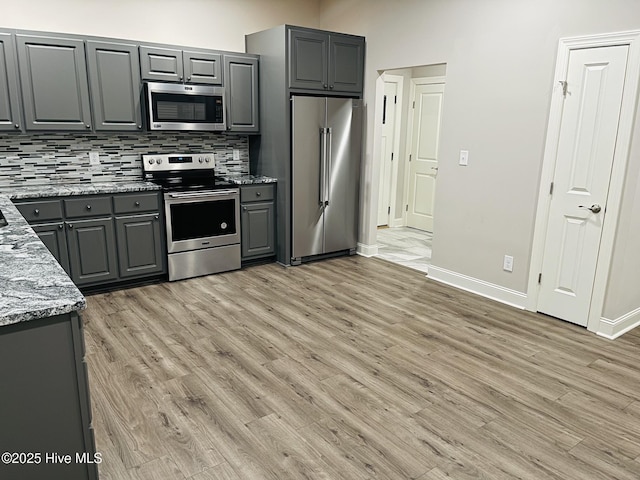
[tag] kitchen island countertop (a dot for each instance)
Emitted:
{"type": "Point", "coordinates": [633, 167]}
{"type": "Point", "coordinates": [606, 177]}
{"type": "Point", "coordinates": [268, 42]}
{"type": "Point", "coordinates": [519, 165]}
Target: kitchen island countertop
{"type": "Point", "coordinates": [32, 283]}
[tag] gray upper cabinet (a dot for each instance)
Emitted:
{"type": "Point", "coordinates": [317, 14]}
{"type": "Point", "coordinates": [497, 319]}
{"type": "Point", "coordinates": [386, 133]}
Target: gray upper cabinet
{"type": "Point", "coordinates": [163, 64]}
{"type": "Point", "coordinates": [325, 61]}
{"type": "Point", "coordinates": [53, 76]}
{"type": "Point", "coordinates": [241, 86]}
{"type": "Point", "coordinates": [175, 65]}
{"type": "Point", "coordinates": [10, 115]}
{"type": "Point", "coordinates": [114, 78]}
{"type": "Point", "coordinates": [202, 67]}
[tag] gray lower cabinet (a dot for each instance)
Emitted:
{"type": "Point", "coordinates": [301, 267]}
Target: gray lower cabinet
{"type": "Point", "coordinates": [10, 113]}
{"type": "Point", "coordinates": [241, 87]}
{"type": "Point", "coordinates": [172, 64]}
{"type": "Point", "coordinates": [140, 245]}
{"type": "Point", "coordinates": [102, 239]}
{"type": "Point", "coordinates": [53, 76]}
{"type": "Point", "coordinates": [92, 251]}
{"type": "Point", "coordinates": [257, 214]}
{"type": "Point", "coordinates": [325, 61]}
{"type": "Point", "coordinates": [114, 78]}
{"type": "Point", "coordinates": [45, 399]}
{"type": "Point", "coordinates": [54, 238]}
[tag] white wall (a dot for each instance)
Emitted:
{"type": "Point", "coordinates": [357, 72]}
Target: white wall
{"type": "Point", "coordinates": [216, 24]}
{"type": "Point", "coordinates": [500, 57]}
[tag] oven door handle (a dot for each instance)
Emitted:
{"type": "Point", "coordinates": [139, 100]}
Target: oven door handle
{"type": "Point", "coordinates": [217, 193]}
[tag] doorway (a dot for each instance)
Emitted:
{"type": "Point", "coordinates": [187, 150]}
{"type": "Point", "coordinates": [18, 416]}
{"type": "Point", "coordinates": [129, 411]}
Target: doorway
{"type": "Point", "coordinates": [583, 171]}
{"type": "Point", "coordinates": [399, 237]}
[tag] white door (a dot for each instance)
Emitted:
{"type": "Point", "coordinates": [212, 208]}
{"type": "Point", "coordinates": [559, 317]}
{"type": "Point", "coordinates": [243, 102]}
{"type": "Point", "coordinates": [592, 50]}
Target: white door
{"type": "Point", "coordinates": [387, 143]}
{"type": "Point", "coordinates": [423, 159]}
{"type": "Point", "coordinates": [588, 131]}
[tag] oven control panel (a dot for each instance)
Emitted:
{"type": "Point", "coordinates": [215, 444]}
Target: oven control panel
{"type": "Point", "coordinates": [178, 162]}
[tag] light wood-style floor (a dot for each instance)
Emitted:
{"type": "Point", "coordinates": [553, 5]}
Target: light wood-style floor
{"type": "Point", "coordinates": [352, 368]}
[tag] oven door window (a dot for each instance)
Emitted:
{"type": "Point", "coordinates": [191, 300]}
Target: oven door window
{"type": "Point", "coordinates": [195, 220]}
{"type": "Point", "coordinates": [175, 108]}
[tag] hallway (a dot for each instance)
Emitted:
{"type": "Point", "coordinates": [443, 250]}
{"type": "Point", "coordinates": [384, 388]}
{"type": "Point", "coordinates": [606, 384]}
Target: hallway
{"type": "Point", "coordinates": [405, 246]}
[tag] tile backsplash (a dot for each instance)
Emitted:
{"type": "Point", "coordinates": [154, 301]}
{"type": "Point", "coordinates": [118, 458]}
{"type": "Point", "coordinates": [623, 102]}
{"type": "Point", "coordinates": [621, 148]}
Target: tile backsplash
{"type": "Point", "coordinates": [64, 158]}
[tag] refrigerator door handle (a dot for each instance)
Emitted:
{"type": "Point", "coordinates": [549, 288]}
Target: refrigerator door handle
{"type": "Point", "coordinates": [323, 164]}
{"type": "Point", "coordinates": [329, 157]}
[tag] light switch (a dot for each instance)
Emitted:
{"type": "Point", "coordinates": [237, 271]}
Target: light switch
{"type": "Point", "coordinates": [464, 157]}
{"type": "Point", "coordinates": [236, 154]}
{"type": "Point", "coordinates": [94, 158]}
{"type": "Point", "coordinates": [507, 264]}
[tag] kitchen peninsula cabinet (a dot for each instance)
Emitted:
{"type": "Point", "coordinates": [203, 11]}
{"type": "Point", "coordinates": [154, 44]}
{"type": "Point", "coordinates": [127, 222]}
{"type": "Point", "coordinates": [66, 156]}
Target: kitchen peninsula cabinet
{"type": "Point", "coordinates": [241, 87]}
{"type": "Point", "coordinates": [55, 239]}
{"type": "Point", "coordinates": [257, 217]}
{"type": "Point", "coordinates": [114, 78]}
{"type": "Point", "coordinates": [10, 113]}
{"type": "Point", "coordinates": [325, 61]}
{"type": "Point", "coordinates": [53, 76]}
{"type": "Point", "coordinates": [172, 64]}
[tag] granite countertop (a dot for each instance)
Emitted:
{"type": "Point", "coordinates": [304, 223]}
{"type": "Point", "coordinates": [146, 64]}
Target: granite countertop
{"type": "Point", "coordinates": [249, 179]}
{"type": "Point", "coordinates": [53, 190]}
{"type": "Point", "coordinates": [32, 283]}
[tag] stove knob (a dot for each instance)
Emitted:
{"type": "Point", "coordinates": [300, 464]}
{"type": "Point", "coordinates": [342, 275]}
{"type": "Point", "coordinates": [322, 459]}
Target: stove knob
{"type": "Point", "coordinates": [151, 160]}
{"type": "Point", "coordinates": [207, 159]}
{"type": "Point", "coordinates": [200, 159]}
{"type": "Point", "coordinates": [158, 161]}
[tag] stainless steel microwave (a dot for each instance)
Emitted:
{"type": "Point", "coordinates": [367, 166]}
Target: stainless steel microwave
{"type": "Point", "coordinates": [172, 106]}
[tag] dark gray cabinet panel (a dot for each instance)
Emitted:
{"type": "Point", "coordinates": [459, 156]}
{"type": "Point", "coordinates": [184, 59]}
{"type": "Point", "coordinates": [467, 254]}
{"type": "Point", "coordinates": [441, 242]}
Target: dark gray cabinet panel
{"type": "Point", "coordinates": [53, 77]}
{"type": "Point", "coordinates": [92, 251]}
{"type": "Point", "coordinates": [55, 239]}
{"type": "Point", "coordinates": [308, 60]}
{"type": "Point", "coordinates": [202, 67]}
{"type": "Point", "coordinates": [140, 245]}
{"type": "Point", "coordinates": [45, 399]}
{"type": "Point", "coordinates": [346, 65]}
{"type": "Point", "coordinates": [257, 216]}
{"type": "Point", "coordinates": [241, 80]}
{"type": "Point", "coordinates": [40, 211]}
{"type": "Point", "coordinates": [10, 114]}
{"type": "Point", "coordinates": [325, 61]}
{"type": "Point", "coordinates": [164, 64]}
{"type": "Point", "coordinates": [114, 78]}
{"type": "Point", "coordinates": [87, 206]}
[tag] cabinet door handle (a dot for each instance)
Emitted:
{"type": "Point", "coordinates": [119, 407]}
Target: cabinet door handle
{"type": "Point", "coordinates": [17, 125]}
{"type": "Point", "coordinates": [60, 227]}
{"type": "Point", "coordinates": [88, 207]}
{"type": "Point", "coordinates": [326, 86]}
{"type": "Point", "coordinates": [70, 225]}
{"type": "Point", "coordinates": [244, 209]}
{"type": "Point", "coordinates": [188, 78]}
{"type": "Point", "coordinates": [87, 125]}
{"type": "Point", "coordinates": [331, 87]}
{"type": "Point", "coordinates": [156, 217]}
{"type": "Point", "coordinates": [258, 194]}
{"type": "Point", "coordinates": [36, 212]}
{"type": "Point", "coordinates": [137, 204]}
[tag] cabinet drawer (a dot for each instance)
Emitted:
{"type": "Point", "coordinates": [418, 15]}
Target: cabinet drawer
{"type": "Point", "coordinates": [41, 211]}
{"type": "Point", "coordinates": [132, 203]}
{"type": "Point", "coordinates": [254, 193]}
{"type": "Point", "coordinates": [89, 206]}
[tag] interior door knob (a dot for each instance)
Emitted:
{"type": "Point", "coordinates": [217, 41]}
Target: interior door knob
{"type": "Point", "coordinates": [595, 208]}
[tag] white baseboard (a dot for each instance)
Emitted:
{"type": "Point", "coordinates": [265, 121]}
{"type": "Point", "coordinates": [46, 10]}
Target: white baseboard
{"type": "Point", "coordinates": [397, 222]}
{"type": "Point", "coordinates": [367, 250]}
{"type": "Point", "coordinates": [479, 287]}
{"type": "Point", "coordinates": [612, 329]}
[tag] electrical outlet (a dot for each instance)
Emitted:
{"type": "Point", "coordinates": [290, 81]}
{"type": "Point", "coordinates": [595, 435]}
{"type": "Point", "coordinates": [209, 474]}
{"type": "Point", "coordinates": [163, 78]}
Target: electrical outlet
{"type": "Point", "coordinates": [464, 157]}
{"type": "Point", "coordinates": [94, 158]}
{"type": "Point", "coordinates": [507, 265]}
{"type": "Point", "coordinates": [236, 154]}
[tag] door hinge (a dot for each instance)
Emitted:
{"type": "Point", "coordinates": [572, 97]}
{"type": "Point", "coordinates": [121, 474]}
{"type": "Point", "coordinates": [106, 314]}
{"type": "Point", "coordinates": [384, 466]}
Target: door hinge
{"type": "Point", "coordinates": [540, 278]}
{"type": "Point", "coordinates": [406, 208]}
{"type": "Point", "coordinates": [388, 210]}
{"type": "Point", "coordinates": [384, 110]}
{"type": "Point", "coordinates": [551, 189]}
{"type": "Point", "coordinates": [395, 99]}
{"type": "Point", "coordinates": [414, 104]}
{"type": "Point", "coordinates": [409, 157]}
{"type": "Point", "coordinates": [392, 156]}
{"type": "Point", "coordinates": [564, 87]}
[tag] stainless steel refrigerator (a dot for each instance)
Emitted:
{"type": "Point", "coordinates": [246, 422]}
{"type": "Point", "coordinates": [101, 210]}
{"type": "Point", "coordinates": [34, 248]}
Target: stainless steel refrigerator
{"type": "Point", "coordinates": [325, 174]}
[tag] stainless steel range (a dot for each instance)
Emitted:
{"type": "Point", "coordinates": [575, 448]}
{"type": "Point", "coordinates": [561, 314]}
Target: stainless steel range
{"type": "Point", "coordinates": [202, 214]}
